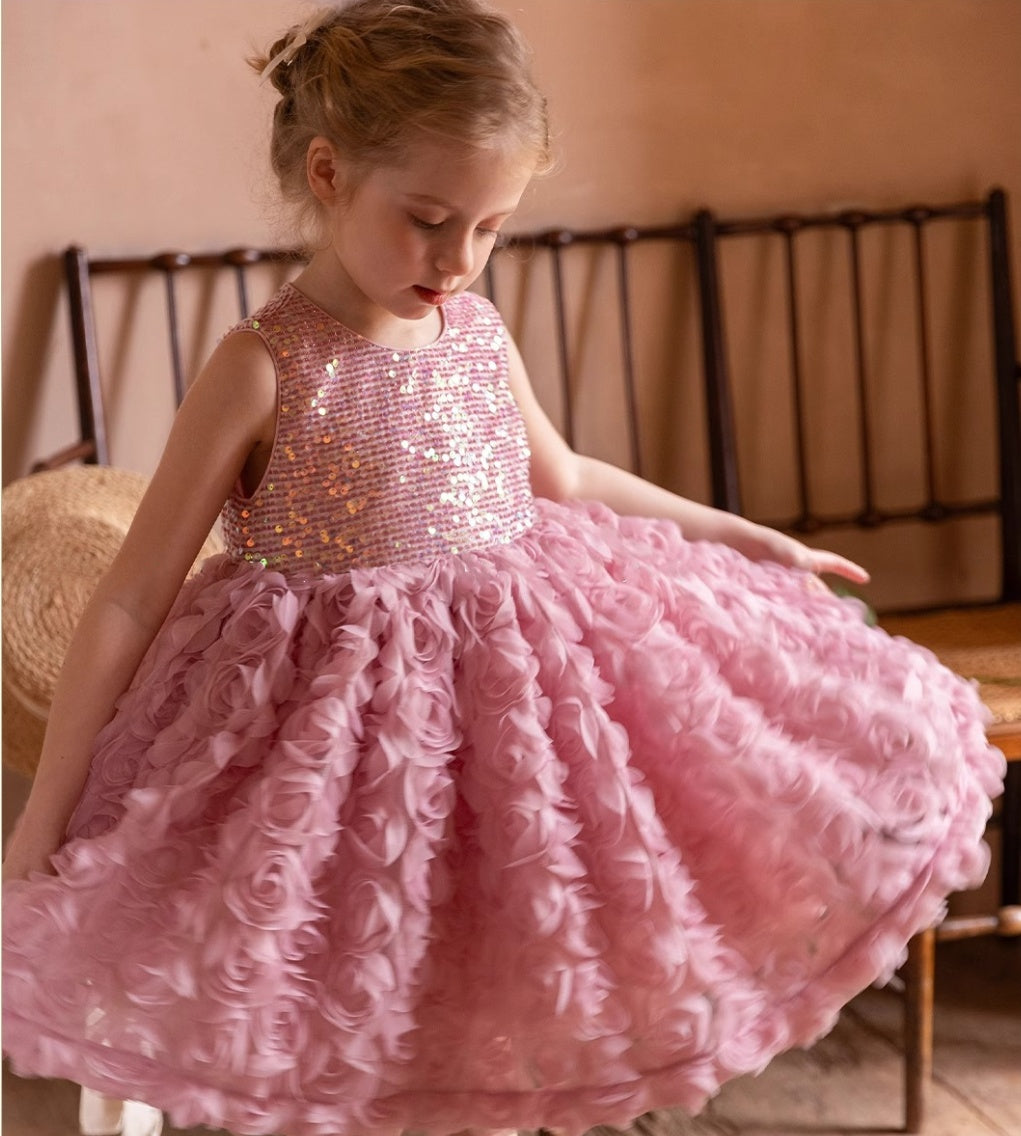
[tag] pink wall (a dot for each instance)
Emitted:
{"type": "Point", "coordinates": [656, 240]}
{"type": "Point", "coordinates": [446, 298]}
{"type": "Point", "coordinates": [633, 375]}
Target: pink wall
{"type": "Point", "coordinates": [129, 125]}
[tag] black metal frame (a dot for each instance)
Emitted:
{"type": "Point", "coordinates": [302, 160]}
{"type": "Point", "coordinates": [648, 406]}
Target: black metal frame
{"type": "Point", "coordinates": [79, 269]}
{"type": "Point", "coordinates": [992, 211]}
{"type": "Point", "coordinates": [703, 235]}
{"type": "Point", "coordinates": [555, 242]}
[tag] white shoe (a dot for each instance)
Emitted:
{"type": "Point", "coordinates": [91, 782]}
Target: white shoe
{"type": "Point", "coordinates": [141, 1120]}
{"type": "Point", "coordinates": [104, 1116]}
{"type": "Point", "coordinates": [99, 1115]}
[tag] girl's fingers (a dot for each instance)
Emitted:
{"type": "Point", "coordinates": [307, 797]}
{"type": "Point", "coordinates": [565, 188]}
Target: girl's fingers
{"type": "Point", "coordinates": [836, 565]}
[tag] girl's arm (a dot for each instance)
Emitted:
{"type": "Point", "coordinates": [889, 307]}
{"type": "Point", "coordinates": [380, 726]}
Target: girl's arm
{"type": "Point", "coordinates": [229, 414]}
{"type": "Point", "coordinates": [560, 474]}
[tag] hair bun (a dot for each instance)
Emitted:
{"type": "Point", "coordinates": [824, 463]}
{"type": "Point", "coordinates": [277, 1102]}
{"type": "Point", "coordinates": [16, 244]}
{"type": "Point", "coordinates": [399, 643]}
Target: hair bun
{"type": "Point", "coordinates": [276, 66]}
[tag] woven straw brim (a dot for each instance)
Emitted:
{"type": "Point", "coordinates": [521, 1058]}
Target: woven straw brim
{"type": "Point", "coordinates": [982, 644]}
{"type": "Point", "coordinates": [61, 532]}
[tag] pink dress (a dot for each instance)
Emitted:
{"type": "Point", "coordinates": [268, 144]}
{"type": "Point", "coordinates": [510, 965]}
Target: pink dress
{"type": "Point", "coordinates": [434, 806]}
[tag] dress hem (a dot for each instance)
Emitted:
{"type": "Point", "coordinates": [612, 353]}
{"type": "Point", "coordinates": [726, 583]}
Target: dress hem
{"type": "Point", "coordinates": [872, 957]}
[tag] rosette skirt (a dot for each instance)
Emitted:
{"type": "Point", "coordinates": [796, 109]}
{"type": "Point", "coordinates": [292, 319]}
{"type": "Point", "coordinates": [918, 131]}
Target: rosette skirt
{"type": "Point", "coordinates": [548, 835]}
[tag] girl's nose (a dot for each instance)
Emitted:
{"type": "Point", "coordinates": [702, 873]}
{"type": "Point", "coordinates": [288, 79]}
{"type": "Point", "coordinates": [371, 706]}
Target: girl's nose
{"type": "Point", "coordinates": [455, 256]}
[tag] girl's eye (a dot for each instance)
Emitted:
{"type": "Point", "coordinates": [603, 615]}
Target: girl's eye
{"type": "Point", "coordinates": [435, 226]}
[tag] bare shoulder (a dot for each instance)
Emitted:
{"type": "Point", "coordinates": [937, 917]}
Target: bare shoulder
{"type": "Point", "coordinates": [245, 346]}
{"type": "Point", "coordinates": [240, 374]}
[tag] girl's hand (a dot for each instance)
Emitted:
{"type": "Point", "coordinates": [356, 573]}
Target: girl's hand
{"type": "Point", "coordinates": [761, 543]}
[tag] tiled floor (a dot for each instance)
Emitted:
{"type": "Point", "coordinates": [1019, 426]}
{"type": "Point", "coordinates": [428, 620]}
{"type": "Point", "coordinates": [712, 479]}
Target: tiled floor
{"type": "Point", "coordinates": [847, 1085]}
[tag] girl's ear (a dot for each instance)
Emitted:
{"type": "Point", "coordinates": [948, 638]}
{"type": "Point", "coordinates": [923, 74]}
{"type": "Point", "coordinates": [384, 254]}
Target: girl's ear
{"type": "Point", "coordinates": [322, 168]}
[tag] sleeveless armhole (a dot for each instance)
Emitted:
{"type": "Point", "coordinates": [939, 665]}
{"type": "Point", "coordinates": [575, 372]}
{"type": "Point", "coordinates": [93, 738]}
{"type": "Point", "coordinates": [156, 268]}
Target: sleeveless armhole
{"type": "Point", "coordinates": [238, 490]}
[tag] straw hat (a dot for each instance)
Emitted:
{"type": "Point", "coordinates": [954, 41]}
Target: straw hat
{"type": "Point", "coordinates": [61, 531]}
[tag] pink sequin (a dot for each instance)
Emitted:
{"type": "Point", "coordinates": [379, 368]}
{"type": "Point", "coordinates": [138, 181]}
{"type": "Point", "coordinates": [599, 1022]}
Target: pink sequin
{"type": "Point", "coordinates": [418, 453]}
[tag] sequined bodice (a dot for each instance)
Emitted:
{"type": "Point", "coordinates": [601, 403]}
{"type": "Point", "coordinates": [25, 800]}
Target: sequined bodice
{"type": "Point", "coordinates": [384, 456]}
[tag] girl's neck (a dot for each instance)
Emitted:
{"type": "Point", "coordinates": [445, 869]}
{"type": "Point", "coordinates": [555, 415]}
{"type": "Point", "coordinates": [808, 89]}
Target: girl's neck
{"type": "Point", "coordinates": [326, 284]}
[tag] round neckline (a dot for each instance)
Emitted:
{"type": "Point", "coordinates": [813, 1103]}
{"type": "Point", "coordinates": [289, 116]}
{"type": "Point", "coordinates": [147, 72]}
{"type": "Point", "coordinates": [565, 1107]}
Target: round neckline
{"type": "Point", "coordinates": [444, 325]}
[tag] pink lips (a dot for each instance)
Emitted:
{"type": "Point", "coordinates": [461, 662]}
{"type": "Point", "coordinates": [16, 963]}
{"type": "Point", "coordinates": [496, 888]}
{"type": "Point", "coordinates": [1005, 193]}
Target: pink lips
{"type": "Point", "coordinates": [429, 296]}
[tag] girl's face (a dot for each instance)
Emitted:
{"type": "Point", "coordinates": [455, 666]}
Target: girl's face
{"type": "Point", "coordinates": [409, 236]}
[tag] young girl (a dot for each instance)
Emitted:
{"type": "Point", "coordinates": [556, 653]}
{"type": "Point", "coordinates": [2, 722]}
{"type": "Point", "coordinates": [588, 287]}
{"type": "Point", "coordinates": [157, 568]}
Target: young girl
{"type": "Point", "coordinates": [479, 784]}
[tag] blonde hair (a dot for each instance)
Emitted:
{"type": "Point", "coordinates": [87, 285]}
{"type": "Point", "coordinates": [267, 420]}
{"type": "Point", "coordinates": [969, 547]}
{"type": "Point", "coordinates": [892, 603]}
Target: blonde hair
{"type": "Point", "coordinates": [372, 75]}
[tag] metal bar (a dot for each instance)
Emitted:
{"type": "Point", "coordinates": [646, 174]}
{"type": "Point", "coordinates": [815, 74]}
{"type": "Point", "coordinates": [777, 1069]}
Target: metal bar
{"type": "Point", "coordinates": [869, 515]}
{"type": "Point", "coordinates": [244, 258]}
{"type": "Point", "coordinates": [1010, 884]}
{"type": "Point", "coordinates": [490, 285]}
{"type": "Point", "coordinates": [241, 280]}
{"type": "Point", "coordinates": [1008, 409]}
{"type": "Point", "coordinates": [556, 249]}
{"type": "Point", "coordinates": [241, 259]}
{"type": "Point", "coordinates": [933, 510]}
{"type": "Point", "coordinates": [77, 451]}
{"type": "Point", "coordinates": [91, 410]}
{"type": "Point", "coordinates": [884, 516]}
{"type": "Point", "coordinates": [726, 492]}
{"type": "Point", "coordinates": [750, 225]}
{"type": "Point", "coordinates": [806, 522]}
{"type": "Point", "coordinates": [196, 260]}
{"type": "Point", "coordinates": [627, 348]}
{"type": "Point", "coordinates": [552, 238]}
{"type": "Point", "coordinates": [555, 238]}
{"type": "Point", "coordinates": [175, 344]}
